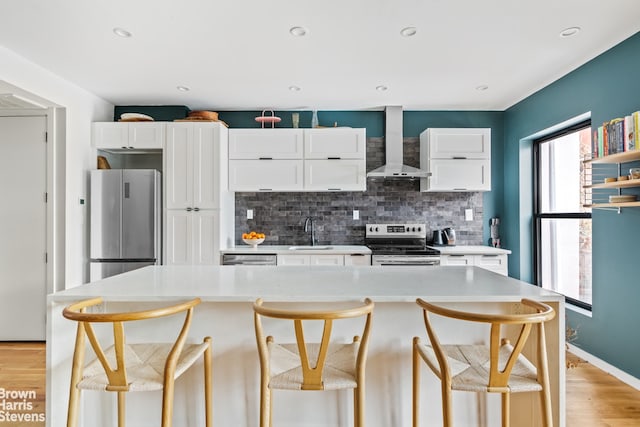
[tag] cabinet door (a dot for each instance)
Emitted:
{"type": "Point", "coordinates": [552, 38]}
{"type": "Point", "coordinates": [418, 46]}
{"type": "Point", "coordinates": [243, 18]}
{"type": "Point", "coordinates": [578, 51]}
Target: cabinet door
{"type": "Point", "coordinates": [265, 175]}
{"type": "Point", "coordinates": [357, 259]}
{"type": "Point", "coordinates": [205, 238]}
{"type": "Point", "coordinates": [205, 182]}
{"type": "Point", "coordinates": [265, 143]}
{"type": "Point", "coordinates": [334, 143]}
{"type": "Point", "coordinates": [292, 260]}
{"type": "Point", "coordinates": [496, 263]}
{"type": "Point", "coordinates": [335, 175]}
{"type": "Point", "coordinates": [178, 243]}
{"type": "Point", "coordinates": [326, 259]}
{"type": "Point", "coordinates": [466, 143]}
{"type": "Point", "coordinates": [456, 260]}
{"type": "Point", "coordinates": [146, 135]}
{"type": "Point", "coordinates": [179, 166]}
{"type": "Point", "coordinates": [459, 175]}
{"type": "Point", "coordinates": [110, 135]}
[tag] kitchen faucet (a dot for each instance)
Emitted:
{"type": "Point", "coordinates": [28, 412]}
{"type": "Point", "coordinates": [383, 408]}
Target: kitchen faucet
{"type": "Point", "coordinates": [309, 226]}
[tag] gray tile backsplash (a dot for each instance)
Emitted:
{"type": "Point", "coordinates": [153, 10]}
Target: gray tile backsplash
{"type": "Point", "coordinates": [281, 215]}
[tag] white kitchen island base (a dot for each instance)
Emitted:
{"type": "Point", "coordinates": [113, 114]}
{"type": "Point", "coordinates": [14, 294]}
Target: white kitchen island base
{"type": "Point", "coordinates": [226, 315]}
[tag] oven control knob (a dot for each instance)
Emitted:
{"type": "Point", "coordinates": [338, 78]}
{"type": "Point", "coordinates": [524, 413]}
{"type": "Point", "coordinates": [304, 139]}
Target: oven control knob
{"type": "Point", "coordinates": [407, 229]}
{"type": "Point", "coordinates": [414, 229]}
{"type": "Point", "coordinates": [419, 228]}
{"type": "Point", "coordinates": [377, 229]}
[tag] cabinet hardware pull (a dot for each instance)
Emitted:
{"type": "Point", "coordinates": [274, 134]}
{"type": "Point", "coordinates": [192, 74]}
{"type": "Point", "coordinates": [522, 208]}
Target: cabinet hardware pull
{"type": "Point", "coordinates": [265, 158]}
{"type": "Point", "coordinates": [265, 189]}
{"type": "Point", "coordinates": [189, 209]}
{"type": "Point", "coordinates": [333, 189]}
{"type": "Point", "coordinates": [124, 147]}
{"type": "Point", "coordinates": [459, 189]}
{"type": "Point", "coordinates": [333, 158]}
{"type": "Point", "coordinates": [459, 158]}
{"type": "Point", "coordinates": [196, 209]}
{"type": "Point", "coordinates": [489, 256]}
{"type": "Point", "coordinates": [457, 255]}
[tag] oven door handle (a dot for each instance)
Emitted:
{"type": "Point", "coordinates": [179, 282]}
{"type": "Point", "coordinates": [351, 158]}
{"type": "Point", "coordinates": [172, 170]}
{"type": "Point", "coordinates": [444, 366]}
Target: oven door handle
{"type": "Point", "coordinates": [409, 263]}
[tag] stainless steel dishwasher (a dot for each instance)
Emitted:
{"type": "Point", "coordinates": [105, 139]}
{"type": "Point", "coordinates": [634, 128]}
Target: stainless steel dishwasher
{"type": "Point", "coordinates": [249, 259]}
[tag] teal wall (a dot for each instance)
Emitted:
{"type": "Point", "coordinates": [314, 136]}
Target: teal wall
{"type": "Point", "coordinates": [607, 87]}
{"type": "Point", "coordinates": [414, 122]}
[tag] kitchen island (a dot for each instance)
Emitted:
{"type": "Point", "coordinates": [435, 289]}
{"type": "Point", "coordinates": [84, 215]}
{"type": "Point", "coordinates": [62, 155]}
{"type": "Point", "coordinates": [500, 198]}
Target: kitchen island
{"type": "Point", "coordinates": [226, 315]}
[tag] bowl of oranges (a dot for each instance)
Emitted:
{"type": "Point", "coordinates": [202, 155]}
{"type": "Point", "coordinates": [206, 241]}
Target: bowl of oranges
{"type": "Point", "coordinates": [253, 239]}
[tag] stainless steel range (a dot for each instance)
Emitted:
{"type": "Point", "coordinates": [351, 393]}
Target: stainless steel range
{"type": "Point", "coordinates": [400, 244]}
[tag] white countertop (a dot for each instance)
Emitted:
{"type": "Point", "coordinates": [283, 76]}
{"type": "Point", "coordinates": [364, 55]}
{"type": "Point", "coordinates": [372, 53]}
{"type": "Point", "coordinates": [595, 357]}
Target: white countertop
{"type": "Point", "coordinates": [471, 250]}
{"type": "Point", "coordinates": [308, 283]}
{"type": "Point", "coordinates": [286, 249]}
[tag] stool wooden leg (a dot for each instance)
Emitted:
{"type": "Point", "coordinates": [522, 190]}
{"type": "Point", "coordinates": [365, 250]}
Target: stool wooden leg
{"type": "Point", "coordinates": [416, 381]}
{"type": "Point", "coordinates": [167, 401]}
{"type": "Point", "coordinates": [506, 409]}
{"type": "Point", "coordinates": [447, 418]}
{"type": "Point", "coordinates": [358, 409]}
{"type": "Point", "coordinates": [121, 409]}
{"type": "Point", "coordinates": [208, 388]}
{"type": "Point", "coordinates": [76, 376]}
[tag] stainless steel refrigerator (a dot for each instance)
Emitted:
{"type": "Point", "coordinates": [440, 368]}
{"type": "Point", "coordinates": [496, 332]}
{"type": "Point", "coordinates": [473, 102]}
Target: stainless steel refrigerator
{"type": "Point", "coordinates": [126, 223]}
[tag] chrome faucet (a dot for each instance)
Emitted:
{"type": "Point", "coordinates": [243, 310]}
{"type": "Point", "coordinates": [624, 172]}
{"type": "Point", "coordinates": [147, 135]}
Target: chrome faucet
{"type": "Point", "coordinates": [309, 226]}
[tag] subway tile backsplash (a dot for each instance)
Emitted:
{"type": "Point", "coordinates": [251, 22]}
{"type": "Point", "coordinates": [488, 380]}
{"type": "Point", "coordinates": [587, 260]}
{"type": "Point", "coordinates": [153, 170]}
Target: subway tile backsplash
{"type": "Point", "coordinates": [281, 215]}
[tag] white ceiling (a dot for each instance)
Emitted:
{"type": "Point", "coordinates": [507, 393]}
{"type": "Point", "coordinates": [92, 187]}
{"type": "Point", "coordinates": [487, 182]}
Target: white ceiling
{"type": "Point", "coordinates": [239, 54]}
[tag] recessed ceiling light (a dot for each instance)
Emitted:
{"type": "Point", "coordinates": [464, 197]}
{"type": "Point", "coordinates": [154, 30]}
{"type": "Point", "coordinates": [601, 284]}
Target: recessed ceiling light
{"type": "Point", "coordinates": [381, 88]}
{"type": "Point", "coordinates": [121, 32]}
{"type": "Point", "coordinates": [482, 88]}
{"type": "Point", "coordinates": [298, 31]}
{"type": "Point", "coordinates": [571, 31]}
{"type": "Point", "coordinates": [183, 88]}
{"type": "Point", "coordinates": [294, 88]}
{"type": "Point", "coordinates": [408, 31]}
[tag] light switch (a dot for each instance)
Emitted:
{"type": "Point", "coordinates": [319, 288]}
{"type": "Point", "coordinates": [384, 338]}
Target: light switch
{"type": "Point", "coordinates": [356, 214]}
{"type": "Point", "coordinates": [468, 214]}
{"type": "Point", "coordinates": [249, 213]}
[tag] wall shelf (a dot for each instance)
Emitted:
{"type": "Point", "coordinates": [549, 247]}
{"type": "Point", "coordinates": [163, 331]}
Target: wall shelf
{"type": "Point", "coordinates": [628, 156]}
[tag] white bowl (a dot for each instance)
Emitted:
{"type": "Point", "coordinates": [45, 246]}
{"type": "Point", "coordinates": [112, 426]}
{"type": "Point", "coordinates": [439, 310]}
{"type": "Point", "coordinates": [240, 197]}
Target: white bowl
{"type": "Point", "coordinates": [253, 242]}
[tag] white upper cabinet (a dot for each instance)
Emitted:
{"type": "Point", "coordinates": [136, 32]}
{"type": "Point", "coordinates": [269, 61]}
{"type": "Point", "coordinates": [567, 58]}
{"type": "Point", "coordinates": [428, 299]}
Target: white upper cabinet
{"type": "Point", "coordinates": [193, 162]}
{"type": "Point", "coordinates": [458, 159]}
{"type": "Point", "coordinates": [265, 144]}
{"type": "Point", "coordinates": [128, 135]}
{"type": "Point", "coordinates": [265, 175]}
{"type": "Point", "coordinates": [331, 159]}
{"type": "Point", "coordinates": [334, 175]}
{"type": "Point", "coordinates": [335, 143]}
{"type": "Point", "coordinates": [463, 143]}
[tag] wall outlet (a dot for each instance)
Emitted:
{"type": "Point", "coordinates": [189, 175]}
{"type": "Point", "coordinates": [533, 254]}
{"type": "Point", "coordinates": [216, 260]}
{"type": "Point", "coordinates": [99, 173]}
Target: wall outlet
{"type": "Point", "coordinates": [356, 214]}
{"type": "Point", "coordinates": [249, 213]}
{"type": "Point", "coordinates": [468, 214]}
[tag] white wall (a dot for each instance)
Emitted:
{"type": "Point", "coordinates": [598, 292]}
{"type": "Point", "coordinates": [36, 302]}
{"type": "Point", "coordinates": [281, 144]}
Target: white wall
{"type": "Point", "coordinates": [81, 108]}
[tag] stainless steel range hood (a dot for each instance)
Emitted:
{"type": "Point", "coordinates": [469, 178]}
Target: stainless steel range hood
{"type": "Point", "coordinates": [394, 168]}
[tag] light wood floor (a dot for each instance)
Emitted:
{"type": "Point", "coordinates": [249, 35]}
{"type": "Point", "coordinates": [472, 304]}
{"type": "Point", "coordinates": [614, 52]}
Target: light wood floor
{"type": "Point", "coordinates": [594, 398]}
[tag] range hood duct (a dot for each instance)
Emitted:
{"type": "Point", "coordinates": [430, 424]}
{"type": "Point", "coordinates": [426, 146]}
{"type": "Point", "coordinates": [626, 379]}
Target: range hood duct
{"type": "Point", "coordinates": [394, 168]}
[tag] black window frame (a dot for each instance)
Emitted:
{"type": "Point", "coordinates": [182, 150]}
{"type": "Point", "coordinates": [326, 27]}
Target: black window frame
{"type": "Point", "coordinates": [538, 216]}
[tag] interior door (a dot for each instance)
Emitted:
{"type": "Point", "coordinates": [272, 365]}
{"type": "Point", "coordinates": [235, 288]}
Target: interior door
{"type": "Point", "coordinates": [23, 222]}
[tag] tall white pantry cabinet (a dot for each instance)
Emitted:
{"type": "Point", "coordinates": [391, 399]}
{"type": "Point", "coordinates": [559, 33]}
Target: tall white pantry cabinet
{"type": "Point", "coordinates": [198, 208]}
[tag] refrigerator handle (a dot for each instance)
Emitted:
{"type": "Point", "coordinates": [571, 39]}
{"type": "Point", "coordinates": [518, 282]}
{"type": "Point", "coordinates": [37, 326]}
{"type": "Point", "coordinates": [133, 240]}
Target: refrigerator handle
{"type": "Point", "coordinates": [126, 190]}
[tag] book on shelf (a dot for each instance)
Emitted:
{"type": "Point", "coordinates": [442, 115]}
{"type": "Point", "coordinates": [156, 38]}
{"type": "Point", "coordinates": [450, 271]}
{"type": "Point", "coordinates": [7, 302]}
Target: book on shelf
{"type": "Point", "coordinates": [629, 138]}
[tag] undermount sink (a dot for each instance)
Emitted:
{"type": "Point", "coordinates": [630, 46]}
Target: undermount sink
{"type": "Point", "coordinates": [309, 248]}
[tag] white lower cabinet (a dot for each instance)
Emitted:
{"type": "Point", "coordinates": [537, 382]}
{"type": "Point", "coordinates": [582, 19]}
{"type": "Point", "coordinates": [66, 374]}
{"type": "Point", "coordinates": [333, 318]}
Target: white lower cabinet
{"type": "Point", "coordinates": [496, 263]}
{"type": "Point", "coordinates": [265, 175]}
{"type": "Point", "coordinates": [357, 259]}
{"type": "Point", "coordinates": [192, 237]}
{"type": "Point", "coordinates": [329, 259]}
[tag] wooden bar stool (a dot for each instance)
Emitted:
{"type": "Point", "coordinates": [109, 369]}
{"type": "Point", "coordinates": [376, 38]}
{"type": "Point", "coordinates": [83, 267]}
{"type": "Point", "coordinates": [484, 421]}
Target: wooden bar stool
{"type": "Point", "coordinates": [499, 368]}
{"type": "Point", "coordinates": [124, 367]}
{"type": "Point", "coordinates": [312, 366]}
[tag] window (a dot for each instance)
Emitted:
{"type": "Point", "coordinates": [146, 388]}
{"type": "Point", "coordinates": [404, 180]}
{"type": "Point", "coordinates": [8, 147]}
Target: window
{"type": "Point", "coordinates": [562, 226]}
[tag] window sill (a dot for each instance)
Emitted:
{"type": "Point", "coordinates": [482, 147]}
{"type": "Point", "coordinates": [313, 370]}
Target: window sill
{"type": "Point", "coordinates": [579, 310]}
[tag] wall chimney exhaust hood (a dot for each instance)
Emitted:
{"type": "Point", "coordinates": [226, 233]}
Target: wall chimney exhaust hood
{"type": "Point", "coordinates": [394, 168]}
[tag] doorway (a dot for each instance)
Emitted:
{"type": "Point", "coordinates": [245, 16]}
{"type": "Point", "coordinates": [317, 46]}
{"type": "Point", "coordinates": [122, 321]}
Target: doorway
{"type": "Point", "coordinates": [23, 228]}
